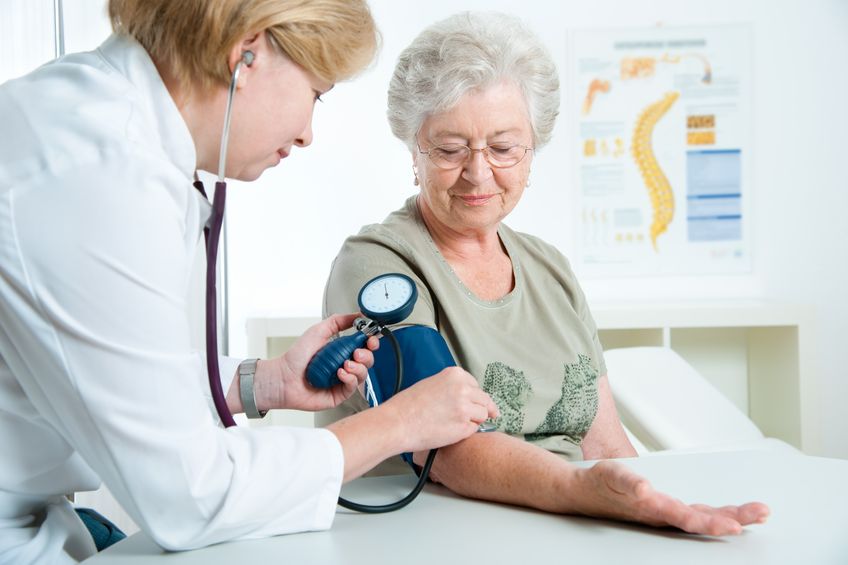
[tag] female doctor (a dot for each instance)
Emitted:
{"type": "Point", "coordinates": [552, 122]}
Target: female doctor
{"type": "Point", "coordinates": [99, 226]}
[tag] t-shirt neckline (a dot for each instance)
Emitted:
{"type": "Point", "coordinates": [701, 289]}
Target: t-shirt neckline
{"type": "Point", "coordinates": [505, 300]}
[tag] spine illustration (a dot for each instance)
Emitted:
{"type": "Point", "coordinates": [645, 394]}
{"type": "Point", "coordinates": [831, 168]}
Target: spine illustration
{"type": "Point", "coordinates": [659, 189]}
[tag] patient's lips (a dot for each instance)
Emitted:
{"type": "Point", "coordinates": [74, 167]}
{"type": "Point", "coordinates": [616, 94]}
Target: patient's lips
{"type": "Point", "coordinates": [475, 199]}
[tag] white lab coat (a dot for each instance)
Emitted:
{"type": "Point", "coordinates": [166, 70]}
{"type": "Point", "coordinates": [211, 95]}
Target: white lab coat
{"type": "Point", "coordinates": [99, 226]}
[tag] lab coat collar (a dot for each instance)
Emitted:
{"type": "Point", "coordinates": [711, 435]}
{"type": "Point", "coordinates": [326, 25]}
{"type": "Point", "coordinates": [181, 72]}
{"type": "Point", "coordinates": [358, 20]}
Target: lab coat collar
{"type": "Point", "coordinates": [126, 56]}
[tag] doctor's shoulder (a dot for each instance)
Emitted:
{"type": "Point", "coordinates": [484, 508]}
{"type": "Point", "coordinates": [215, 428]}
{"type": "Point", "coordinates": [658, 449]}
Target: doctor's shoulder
{"type": "Point", "coordinates": [71, 111]}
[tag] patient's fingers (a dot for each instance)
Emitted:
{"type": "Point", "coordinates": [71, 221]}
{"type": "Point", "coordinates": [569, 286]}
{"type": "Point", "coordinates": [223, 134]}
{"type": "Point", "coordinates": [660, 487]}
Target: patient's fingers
{"type": "Point", "coordinates": [753, 513]}
{"type": "Point", "coordinates": [750, 513]}
{"type": "Point", "coordinates": [698, 521]}
{"type": "Point", "coordinates": [631, 497]}
{"type": "Point", "coordinates": [709, 520]}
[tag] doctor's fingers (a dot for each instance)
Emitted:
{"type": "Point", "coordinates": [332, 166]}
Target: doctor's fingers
{"type": "Point", "coordinates": [349, 384]}
{"type": "Point", "coordinates": [480, 413]}
{"type": "Point", "coordinates": [364, 357]}
{"type": "Point", "coordinates": [466, 387]}
{"type": "Point", "coordinates": [336, 323]}
{"type": "Point", "coordinates": [358, 371]}
{"type": "Point", "coordinates": [491, 408]}
{"type": "Point", "coordinates": [482, 406]}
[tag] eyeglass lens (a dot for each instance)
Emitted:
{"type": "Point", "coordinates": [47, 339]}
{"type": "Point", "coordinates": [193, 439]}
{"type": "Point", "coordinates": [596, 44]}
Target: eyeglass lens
{"type": "Point", "coordinates": [498, 155]}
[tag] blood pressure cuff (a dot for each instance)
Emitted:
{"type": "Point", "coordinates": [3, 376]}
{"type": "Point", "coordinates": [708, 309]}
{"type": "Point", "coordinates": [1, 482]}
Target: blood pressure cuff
{"type": "Point", "coordinates": [424, 353]}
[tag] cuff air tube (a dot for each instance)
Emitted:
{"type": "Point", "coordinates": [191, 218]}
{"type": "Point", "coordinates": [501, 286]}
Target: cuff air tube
{"type": "Point", "coordinates": [417, 352]}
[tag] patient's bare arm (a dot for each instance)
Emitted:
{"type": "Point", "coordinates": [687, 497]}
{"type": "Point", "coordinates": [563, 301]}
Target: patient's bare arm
{"type": "Point", "coordinates": [606, 438]}
{"type": "Point", "coordinates": [498, 467]}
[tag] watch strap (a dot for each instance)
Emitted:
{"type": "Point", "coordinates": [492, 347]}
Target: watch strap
{"type": "Point", "coordinates": [247, 371]}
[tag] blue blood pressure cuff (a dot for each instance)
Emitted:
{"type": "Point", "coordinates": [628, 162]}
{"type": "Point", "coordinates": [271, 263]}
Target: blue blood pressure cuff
{"type": "Point", "coordinates": [424, 352]}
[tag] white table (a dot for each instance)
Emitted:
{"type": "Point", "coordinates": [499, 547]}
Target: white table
{"type": "Point", "coordinates": [809, 523]}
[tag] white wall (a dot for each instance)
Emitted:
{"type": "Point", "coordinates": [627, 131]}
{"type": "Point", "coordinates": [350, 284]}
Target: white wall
{"type": "Point", "coordinates": [27, 32]}
{"type": "Point", "coordinates": [285, 229]}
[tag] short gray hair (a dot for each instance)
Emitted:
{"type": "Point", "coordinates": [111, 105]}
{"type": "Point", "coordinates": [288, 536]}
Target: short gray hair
{"type": "Point", "coordinates": [469, 51]}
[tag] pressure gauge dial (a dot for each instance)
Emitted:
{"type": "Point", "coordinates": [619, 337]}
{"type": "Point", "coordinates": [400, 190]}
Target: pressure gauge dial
{"type": "Point", "coordinates": [388, 298]}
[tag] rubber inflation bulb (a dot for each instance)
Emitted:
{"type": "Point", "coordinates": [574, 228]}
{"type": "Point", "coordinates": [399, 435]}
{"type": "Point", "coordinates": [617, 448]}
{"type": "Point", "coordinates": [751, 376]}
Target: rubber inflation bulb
{"type": "Point", "coordinates": [321, 371]}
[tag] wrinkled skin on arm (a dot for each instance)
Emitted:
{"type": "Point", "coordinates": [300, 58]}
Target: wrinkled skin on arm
{"type": "Point", "coordinates": [501, 468]}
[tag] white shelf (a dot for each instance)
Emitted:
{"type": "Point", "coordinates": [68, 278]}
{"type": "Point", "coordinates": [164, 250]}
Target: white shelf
{"type": "Point", "coordinates": [755, 352]}
{"type": "Point", "coordinates": [705, 314]}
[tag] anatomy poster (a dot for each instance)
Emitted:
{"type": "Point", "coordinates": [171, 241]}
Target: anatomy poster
{"type": "Point", "coordinates": [662, 155]}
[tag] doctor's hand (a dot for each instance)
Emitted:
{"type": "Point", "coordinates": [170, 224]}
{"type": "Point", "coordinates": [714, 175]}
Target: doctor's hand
{"type": "Point", "coordinates": [611, 490]}
{"type": "Point", "coordinates": [296, 392]}
{"type": "Point", "coordinates": [281, 382]}
{"type": "Point", "coordinates": [442, 409]}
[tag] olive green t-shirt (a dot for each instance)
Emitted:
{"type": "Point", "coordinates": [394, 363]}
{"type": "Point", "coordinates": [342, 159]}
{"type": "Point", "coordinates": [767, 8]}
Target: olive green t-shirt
{"type": "Point", "coordinates": [535, 351]}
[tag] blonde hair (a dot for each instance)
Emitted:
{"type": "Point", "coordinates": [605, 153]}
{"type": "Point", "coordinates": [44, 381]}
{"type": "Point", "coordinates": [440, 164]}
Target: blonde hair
{"type": "Point", "coordinates": [334, 39]}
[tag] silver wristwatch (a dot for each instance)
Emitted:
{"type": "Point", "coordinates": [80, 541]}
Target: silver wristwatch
{"type": "Point", "coordinates": [246, 371]}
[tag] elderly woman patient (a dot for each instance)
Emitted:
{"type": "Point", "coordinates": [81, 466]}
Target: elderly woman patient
{"type": "Point", "coordinates": [474, 97]}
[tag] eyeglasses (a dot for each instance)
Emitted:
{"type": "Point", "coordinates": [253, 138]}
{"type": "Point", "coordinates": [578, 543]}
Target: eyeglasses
{"type": "Point", "coordinates": [498, 155]}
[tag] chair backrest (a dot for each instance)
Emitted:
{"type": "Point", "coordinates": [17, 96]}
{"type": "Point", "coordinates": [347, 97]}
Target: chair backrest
{"type": "Point", "coordinates": [667, 404]}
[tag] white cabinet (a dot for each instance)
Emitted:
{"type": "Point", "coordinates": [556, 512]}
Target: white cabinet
{"type": "Point", "coordinates": [756, 353]}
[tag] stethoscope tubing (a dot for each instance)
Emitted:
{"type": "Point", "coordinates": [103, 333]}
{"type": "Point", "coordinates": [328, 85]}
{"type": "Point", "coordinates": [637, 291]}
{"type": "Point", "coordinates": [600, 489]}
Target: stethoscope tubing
{"type": "Point", "coordinates": [213, 234]}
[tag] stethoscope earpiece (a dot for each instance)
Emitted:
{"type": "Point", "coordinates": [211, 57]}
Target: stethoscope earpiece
{"type": "Point", "coordinates": [247, 58]}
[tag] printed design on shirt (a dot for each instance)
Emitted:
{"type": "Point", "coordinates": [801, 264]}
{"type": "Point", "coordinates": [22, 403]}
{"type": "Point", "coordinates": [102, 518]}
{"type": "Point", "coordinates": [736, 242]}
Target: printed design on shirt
{"type": "Point", "coordinates": [572, 415]}
{"type": "Point", "coordinates": [509, 389]}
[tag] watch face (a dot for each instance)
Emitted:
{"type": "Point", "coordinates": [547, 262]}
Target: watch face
{"type": "Point", "coordinates": [388, 298]}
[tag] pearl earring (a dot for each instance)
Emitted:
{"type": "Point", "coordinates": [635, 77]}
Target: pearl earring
{"type": "Point", "coordinates": [415, 174]}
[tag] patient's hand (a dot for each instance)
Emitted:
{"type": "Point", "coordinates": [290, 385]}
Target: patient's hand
{"type": "Point", "coordinates": [611, 490]}
{"type": "Point", "coordinates": [506, 469]}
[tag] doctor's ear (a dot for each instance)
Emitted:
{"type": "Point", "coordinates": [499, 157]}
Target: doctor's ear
{"type": "Point", "coordinates": [246, 60]}
{"type": "Point", "coordinates": [245, 52]}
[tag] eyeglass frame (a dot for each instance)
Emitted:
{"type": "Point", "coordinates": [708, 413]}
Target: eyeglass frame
{"type": "Point", "coordinates": [484, 150]}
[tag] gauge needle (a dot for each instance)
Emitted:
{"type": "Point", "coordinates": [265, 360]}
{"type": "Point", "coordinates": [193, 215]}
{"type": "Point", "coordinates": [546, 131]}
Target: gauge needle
{"type": "Point", "coordinates": [387, 290]}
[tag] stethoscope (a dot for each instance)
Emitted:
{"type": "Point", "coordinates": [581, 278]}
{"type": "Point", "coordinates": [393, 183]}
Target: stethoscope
{"type": "Point", "coordinates": [326, 360]}
{"type": "Point", "coordinates": [212, 235]}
